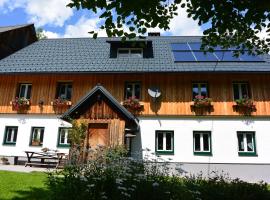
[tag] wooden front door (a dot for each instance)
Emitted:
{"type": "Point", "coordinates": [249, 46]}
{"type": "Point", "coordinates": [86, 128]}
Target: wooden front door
{"type": "Point", "coordinates": [98, 134]}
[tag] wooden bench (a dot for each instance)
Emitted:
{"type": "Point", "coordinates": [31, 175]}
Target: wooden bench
{"type": "Point", "coordinates": [44, 159]}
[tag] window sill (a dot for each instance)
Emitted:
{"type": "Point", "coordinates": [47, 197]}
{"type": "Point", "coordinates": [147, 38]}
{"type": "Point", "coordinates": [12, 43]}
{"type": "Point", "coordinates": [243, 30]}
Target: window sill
{"type": "Point", "coordinates": [202, 153]}
{"type": "Point", "coordinates": [63, 145]}
{"type": "Point", "coordinates": [9, 144]}
{"type": "Point", "coordinates": [164, 152]}
{"type": "Point", "coordinates": [252, 154]}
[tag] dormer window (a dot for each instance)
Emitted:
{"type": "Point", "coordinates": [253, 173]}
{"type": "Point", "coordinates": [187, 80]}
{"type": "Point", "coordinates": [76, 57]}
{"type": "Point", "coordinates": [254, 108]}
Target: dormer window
{"type": "Point", "coordinates": [130, 53]}
{"type": "Point", "coordinates": [131, 49]}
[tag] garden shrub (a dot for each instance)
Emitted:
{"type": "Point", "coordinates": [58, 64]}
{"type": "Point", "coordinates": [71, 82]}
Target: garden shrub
{"type": "Point", "coordinates": [111, 175]}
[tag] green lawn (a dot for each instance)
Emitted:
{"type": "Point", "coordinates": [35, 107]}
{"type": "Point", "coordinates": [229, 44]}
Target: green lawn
{"type": "Point", "coordinates": [17, 185]}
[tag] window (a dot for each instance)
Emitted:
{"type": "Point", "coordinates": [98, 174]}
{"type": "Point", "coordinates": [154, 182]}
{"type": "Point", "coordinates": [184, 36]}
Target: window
{"type": "Point", "coordinates": [63, 139]}
{"type": "Point", "coordinates": [130, 53]}
{"type": "Point", "coordinates": [202, 143]}
{"type": "Point", "coordinates": [24, 90]}
{"type": "Point", "coordinates": [133, 89]}
{"type": "Point", "coordinates": [64, 91]}
{"type": "Point", "coordinates": [164, 142]}
{"type": "Point", "coordinates": [199, 89]}
{"type": "Point", "coordinates": [240, 91]}
{"type": "Point", "coordinates": [246, 144]}
{"type": "Point", "coordinates": [37, 135]}
{"type": "Point", "coordinates": [11, 135]}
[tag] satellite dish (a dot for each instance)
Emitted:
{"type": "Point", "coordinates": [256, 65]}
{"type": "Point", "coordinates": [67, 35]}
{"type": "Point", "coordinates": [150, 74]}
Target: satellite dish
{"type": "Point", "coordinates": [154, 92]}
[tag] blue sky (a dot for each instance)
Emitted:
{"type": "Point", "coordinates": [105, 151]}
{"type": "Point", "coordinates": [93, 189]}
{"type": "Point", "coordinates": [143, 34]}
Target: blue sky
{"type": "Point", "coordinates": [59, 21]}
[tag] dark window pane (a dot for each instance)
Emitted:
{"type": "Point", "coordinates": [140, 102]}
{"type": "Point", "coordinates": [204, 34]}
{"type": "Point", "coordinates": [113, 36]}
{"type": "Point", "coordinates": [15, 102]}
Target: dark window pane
{"type": "Point", "coordinates": [180, 46]}
{"type": "Point", "coordinates": [62, 136]}
{"type": "Point", "coordinates": [226, 56]}
{"type": "Point", "coordinates": [206, 146]}
{"type": "Point", "coordinates": [22, 91]}
{"type": "Point", "coordinates": [69, 91]}
{"type": "Point", "coordinates": [236, 91]}
{"type": "Point", "coordinates": [28, 95]}
{"type": "Point", "coordinates": [197, 142]}
{"type": "Point", "coordinates": [160, 141]}
{"type": "Point", "coordinates": [195, 90]}
{"type": "Point", "coordinates": [183, 56]}
{"type": "Point", "coordinates": [240, 142]}
{"type": "Point", "coordinates": [15, 134]}
{"type": "Point", "coordinates": [123, 51]}
{"type": "Point", "coordinates": [168, 141]}
{"type": "Point", "coordinates": [137, 91]}
{"type": "Point", "coordinates": [204, 90]}
{"type": "Point", "coordinates": [128, 91]}
{"type": "Point", "coordinates": [41, 135]}
{"type": "Point", "coordinates": [244, 89]}
{"type": "Point", "coordinates": [201, 56]}
{"type": "Point", "coordinates": [9, 134]}
{"type": "Point", "coordinates": [250, 145]}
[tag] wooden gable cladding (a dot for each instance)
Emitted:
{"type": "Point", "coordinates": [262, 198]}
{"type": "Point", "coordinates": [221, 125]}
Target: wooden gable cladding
{"type": "Point", "coordinates": [176, 91]}
{"type": "Point", "coordinates": [101, 110]}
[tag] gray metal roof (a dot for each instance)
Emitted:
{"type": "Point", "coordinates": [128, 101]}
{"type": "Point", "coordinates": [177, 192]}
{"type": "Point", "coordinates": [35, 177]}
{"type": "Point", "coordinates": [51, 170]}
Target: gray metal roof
{"type": "Point", "coordinates": [87, 55]}
{"type": "Point", "coordinates": [9, 28]}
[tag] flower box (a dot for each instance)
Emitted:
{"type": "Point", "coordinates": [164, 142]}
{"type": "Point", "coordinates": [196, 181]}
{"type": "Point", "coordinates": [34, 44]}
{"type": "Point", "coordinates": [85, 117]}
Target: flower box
{"type": "Point", "coordinates": [244, 106]}
{"type": "Point", "coordinates": [59, 102]}
{"type": "Point", "coordinates": [201, 105]}
{"type": "Point", "coordinates": [133, 105]}
{"type": "Point", "coordinates": [20, 104]}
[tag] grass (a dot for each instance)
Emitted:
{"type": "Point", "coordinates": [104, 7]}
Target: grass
{"type": "Point", "coordinates": [17, 185]}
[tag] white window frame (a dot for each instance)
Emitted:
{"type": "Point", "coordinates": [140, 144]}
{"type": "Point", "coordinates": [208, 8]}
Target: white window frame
{"type": "Point", "coordinates": [26, 90]}
{"type": "Point", "coordinates": [245, 142]}
{"type": "Point", "coordinates": [129, 54]}
{"type": "Point", "coordinates": [63, 130]}
{"type": "Point", "coordinates": [7, 132]}
{"type": "Point", "coordinates": [164, 141]}
{"type": "Point", "coordinates": [201, 133]}
{"type": "Point", "coordinates": [239, 89]}
{"type": "Point", "coordinates": [133, 84]}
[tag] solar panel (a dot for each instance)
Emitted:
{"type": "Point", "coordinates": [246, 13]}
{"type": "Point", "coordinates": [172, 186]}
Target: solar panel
{"type": "Point", "coordinates": [183, 56]}
{"type": "Point", "coordinates": [185, 52]}
{"type": "Point", "coordinates": [201, 56]}
{"type": "Point", "coordinates": [180, 47]}
{"type": "Point", "coordinates": [226, 56]}
{"type": "Point", "coordinates": [249, 58]}
{"type": "Point", "coordinates": [195, 46]}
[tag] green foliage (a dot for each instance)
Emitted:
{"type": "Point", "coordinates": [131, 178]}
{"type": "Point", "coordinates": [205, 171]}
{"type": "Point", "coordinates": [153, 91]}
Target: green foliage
{"type": "Point", "coordinates": [232, 23]}
{"type": "Point", "coordinates": [111, 175]}
{"type": "Point", "coordinates": [77, 133]}
{"type": "Point", "coordinates": [40, 34]}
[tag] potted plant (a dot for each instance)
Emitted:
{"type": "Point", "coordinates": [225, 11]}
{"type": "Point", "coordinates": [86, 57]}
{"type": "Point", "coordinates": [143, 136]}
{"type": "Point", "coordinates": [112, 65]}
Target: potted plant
{"type": "Point", "coordinates": [201, 104]}
{"type": "Point", "coordinates": [4, 161]}
{"type": "Point", "coordinates": [133, 104]}
{"type": "Point", "coordinates": [244, 106]}
{"type": "Point", "coordinates": [21, 103]}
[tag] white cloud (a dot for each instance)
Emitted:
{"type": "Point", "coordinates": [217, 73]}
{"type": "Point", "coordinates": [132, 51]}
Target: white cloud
{"type": "Point", "coordinates": [50, 34]}
{"type": "Point", "coordinates": [41, 12]}
{"type": "Point", "coordinates": [52, 12]}
{"type": "Point", "coordinates": [182, 25]}
{"type": "Point", "coordinates": [82, 27]}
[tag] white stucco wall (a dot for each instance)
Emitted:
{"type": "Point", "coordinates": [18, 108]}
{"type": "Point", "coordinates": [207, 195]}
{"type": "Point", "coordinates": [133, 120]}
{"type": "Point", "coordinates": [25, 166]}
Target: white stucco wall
{"type": "Point", "coordinates": [223, 133]}
{"type": "Point", "coordinates": [25, 123]}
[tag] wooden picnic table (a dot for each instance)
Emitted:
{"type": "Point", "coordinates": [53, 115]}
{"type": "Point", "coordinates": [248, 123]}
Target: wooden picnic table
{"type": "Point", "coordinates": [44, 158]}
